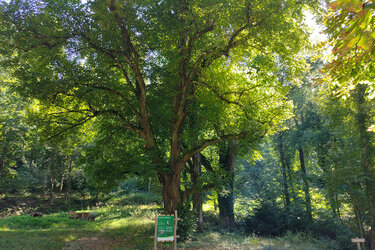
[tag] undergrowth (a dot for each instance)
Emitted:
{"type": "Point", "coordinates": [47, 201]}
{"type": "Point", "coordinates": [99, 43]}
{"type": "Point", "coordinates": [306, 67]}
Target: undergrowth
{"type": "Point", "coordinates": [127, 222]}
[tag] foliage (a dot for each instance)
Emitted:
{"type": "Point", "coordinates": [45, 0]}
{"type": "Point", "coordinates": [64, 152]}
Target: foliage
{"type": "Point", "coordinates": [187, 223]}
{"type": "Point", "coordinates": [105, 66]}
{"type": "Point", "coordinates": [271, 220]}
{"type": "Point", "coordinates": [350, 27]}
{"type": "Point", "coordinates": [13, 131]}
{"type": "Point", "coordinates": [267, 220]}
{"type": "Point", "coordinates": [137, 198]}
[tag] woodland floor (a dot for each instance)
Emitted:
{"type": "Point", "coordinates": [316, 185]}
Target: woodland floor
{"type": "Point", "coordinates": [26, 204]}
{"type": "Point", "coordinates": [120, 224]}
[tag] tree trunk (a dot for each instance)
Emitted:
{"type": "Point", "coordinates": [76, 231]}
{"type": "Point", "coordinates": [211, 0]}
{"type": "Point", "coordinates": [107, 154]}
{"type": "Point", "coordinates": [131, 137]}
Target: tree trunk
{"type": "Point", "coordinates": [149, 185]}
{"type": "Point", "coordinates": [226, 200]}
{"type": "Point", "coordinates": [362, 118]}
{"type": "Point", "coordinates": [283, 169]}
{"type": "Point", "coordinates": [197, 196]}
{"type": "Point", "coordinates": [68, 180]}
{"type": "Point", "coordinates": [171, 192]}
{"type": "Point", "coordinates": [61, 185]}
{"type": "Point", "coordinates": [357, 213]}
{"type": "Point", "coordinates": [331, 197]}
{"type": "Point", "coordinates": [306, 187]}
{"type": "Point", "coordinates": [2, 160]}
{"type": "Point", "coordinates": [290, 176]}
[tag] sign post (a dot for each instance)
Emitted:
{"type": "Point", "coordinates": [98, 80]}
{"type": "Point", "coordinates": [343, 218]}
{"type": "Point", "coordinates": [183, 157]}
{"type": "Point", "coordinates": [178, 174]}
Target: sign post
{"type": "Point", "coordinates": [165, 229]}
{"type": "Point", "coordinates": [358, 240]}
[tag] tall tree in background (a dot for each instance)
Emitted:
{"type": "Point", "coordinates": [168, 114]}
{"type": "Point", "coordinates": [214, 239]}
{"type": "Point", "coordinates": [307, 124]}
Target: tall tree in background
{"type": "Point", "coordinates": [284, 167]}
{"type": "Point", "coordinates": [138, 66]}
{"type": "Point", "coordinates": [363, 116]}
{"type": "Point", "coordinates": [13, 129]}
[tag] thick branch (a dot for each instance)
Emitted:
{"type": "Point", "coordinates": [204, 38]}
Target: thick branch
{"type": "Point", "coordinates": [116, 92]}
{"type": "Point", "coordinates": [132, 57]}
{"type": "Point", "coordinates": [133, 128]}
{"type": "Point", "coordinates": [210, 142]}
{"type": "Point", "coordinates": [72, 127]}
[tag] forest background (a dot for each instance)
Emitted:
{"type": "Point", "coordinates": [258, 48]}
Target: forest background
{"type": "Point", "coordinates": [221, 106]}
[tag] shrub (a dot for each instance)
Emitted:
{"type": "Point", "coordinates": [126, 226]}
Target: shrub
{"type": "Point", "coordinates": [267, 220]}
{"type": "Point", "coordinates": [271, 220]}
{"type": "Point", "coordinates": [140, 198]}
{"type": "Point", "coordinates": [334, 229]}
{"type": "Point", "coordinates": [186, 225]}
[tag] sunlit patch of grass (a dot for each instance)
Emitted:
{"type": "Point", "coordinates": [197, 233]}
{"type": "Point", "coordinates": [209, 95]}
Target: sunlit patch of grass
{"type": "Point", "coordinates": [215, 240]}
{"type": "Point", "coordinates": [4, 228]}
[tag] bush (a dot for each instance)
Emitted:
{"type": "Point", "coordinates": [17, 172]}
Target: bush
{"type": "Point", "coordinates": [268, 220]}
{"type": "Point", "coordinates": [186, 225]}
{"type": "Point", "coordinates": [138, 199]}
{"type": "Point", "coordinates": [332, 228]}
{"type": "Point", "coordinates": [129, 186]}
{"type": "Point", "coordinates": [271, 220]}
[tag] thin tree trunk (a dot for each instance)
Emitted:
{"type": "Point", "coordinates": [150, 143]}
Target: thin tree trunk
{"type": "Point", "coordinates": [226, 201]}
{"type": "Point", "coordinates": [283, 169]}
{"type": "Point", "coordinates": [337, 202]}
{"type": "Point", "coordinates": [306, 187]}
{"type": "Point", "coordinates": [197, 196]}
{"type": "Point", "coordinates": [3, 158]}
{"type": "Point", "coordinates": [357, 213]}
{"type": "Point", "coordinates": [289, 176]}
{"type": "Point", "coordinates": [61, 184]}
{"type": "Point", "coordinates": [68, 180]}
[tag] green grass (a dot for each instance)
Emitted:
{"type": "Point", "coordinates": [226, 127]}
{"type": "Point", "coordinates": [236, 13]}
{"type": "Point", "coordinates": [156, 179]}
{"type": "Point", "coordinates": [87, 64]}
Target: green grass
{"type": "Point", "coordinates": [124, 223]}
{"type": "Point", "coordinates": [215, 240]}
{"type": "Point", "coordinates": [118, 219]}
{"type": "Point", "coordinates": [48, 232]}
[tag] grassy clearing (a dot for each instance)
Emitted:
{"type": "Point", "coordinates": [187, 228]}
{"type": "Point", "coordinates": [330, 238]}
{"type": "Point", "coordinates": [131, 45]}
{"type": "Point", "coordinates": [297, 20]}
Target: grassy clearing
{"type": "Point", "coordinates": [119, 223]}
{"type": "Point", "coordinates": [215, 240]}
{"type": "Point", "coordinates": [124, 224]}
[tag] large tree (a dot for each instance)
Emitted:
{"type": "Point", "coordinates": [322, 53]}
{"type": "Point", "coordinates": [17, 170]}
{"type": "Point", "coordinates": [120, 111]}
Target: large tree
{"type": "Point", "coordinates": [139, 66]}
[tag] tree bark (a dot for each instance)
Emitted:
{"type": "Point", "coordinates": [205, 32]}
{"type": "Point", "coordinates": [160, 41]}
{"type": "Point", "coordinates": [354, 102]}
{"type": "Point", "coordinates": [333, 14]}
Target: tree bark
{"type": "Point", "coordinates": [171, 192]}
{"type": "Point", "coordinates": [306, 187]}
{"type": "Point", "coordinates": [226, 200]}
{"type": "Point", "coordinates": [197, 196]}
{"type": "Point", "coordinates": [357, 213]}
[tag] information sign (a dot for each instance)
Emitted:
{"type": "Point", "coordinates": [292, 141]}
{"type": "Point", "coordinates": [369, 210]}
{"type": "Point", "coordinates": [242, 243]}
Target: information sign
{"type": "Point", "coordinates": [165, 230]}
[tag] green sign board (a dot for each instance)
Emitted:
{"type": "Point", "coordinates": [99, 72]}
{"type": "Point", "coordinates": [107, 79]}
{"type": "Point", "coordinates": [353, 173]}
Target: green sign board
{"type": "Point", "coordinates": [165, 230]}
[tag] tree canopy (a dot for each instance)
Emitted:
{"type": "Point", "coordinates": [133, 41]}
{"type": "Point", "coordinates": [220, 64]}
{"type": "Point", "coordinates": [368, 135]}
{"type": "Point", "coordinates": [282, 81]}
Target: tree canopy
{"type": "Point", "coordinates": [145, 68]}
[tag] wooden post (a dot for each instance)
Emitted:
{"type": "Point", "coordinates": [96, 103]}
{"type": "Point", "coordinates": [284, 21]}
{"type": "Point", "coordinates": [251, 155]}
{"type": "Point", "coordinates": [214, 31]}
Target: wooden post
{"type": "Point", "coordinates": [175, 220]}
{"type": "Point", "coordinates": [175, 229]}
{"type": "Point", "coordinates": [156, 231]}
{"type": "Point", "coordinates": [358, 241]}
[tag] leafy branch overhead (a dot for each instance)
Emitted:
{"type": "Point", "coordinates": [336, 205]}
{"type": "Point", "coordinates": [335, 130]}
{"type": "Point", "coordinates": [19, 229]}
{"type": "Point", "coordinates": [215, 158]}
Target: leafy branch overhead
{"type": "Point", "coordinates": [350, 26]}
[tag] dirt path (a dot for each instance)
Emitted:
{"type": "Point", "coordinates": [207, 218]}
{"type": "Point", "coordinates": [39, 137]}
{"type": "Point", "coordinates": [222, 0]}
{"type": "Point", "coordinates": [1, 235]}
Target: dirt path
{"type": "Point", "coordinates": [97, 242]}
